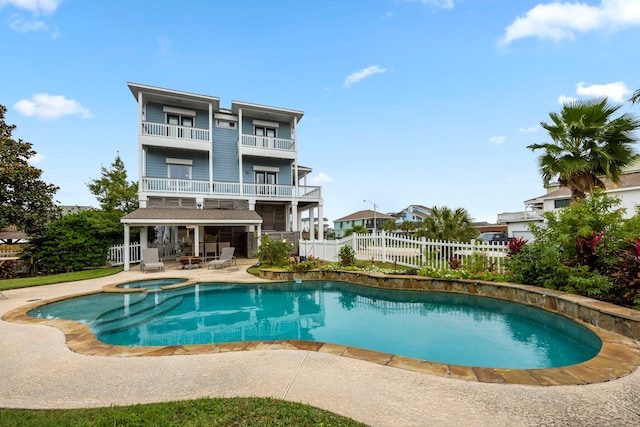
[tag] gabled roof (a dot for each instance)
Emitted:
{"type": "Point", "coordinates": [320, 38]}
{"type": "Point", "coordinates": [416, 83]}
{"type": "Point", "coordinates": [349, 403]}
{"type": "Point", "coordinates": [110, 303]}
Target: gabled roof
{"type": "Point", "coordinates": [365, 214]}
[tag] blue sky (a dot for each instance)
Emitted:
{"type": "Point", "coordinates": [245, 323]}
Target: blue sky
{"type": "Point", "coordinates": [429, 102]}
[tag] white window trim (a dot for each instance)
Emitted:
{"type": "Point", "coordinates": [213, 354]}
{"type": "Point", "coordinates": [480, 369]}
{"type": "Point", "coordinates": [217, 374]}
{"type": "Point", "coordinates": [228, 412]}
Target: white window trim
{"type": "Point", "coordinates": [227, 117]}
{"type": "Point", "coordinates": [184, 162]}
{"type": "Point", "coordinates": [266, 124]}
{"type": "Point", "coordinates": [179, 111]}
{"type": "Point", "coordinates": [266, 169]}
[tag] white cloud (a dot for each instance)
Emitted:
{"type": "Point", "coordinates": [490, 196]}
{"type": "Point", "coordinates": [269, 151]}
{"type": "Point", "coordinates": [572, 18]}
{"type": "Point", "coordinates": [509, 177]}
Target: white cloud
{"type": "Point", "coordinates": [445, 4]}
{"type": "Point", "coordinates": [563, 99]}
{"type": "Point", "coordinates": [362, 74]}
{"type": "Point", "coordinates": [45, 106]}
{"type": "Point", "coordinates": [531, 129]}
{"type": "Point", "coordinates": [22, 26]}
{"type": "Point", "coordinates": [36, 158]}
{"type": "Point", "coordinates": [557, 21]}
{"type": "Point", "coordinates": [35, 6]}
{"type": "Point", "coordinates": [322, 178]}
{"type": "Point", "coordinates": [617, 91]}
{"type": "Point", "coordinates": [498, 140]}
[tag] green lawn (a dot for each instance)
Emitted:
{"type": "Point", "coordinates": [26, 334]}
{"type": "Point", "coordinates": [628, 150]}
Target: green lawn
{"type": "Point", "coordinates": [200, 412]}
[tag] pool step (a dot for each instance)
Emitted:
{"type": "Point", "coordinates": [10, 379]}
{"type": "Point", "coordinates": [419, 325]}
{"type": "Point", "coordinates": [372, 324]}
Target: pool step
{"type": "Point", "coordinates": [144, 310]}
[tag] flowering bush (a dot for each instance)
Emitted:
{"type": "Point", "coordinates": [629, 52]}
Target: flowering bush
{"type": "Point", "coordinates": [273, 252]}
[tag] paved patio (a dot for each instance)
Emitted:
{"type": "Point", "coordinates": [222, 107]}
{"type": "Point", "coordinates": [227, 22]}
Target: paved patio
{"type": "Point", "coordinates": [40, 371]}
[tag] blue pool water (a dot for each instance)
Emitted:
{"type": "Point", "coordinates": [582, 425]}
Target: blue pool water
{"type": "Point", "coordinates": [440, 327]}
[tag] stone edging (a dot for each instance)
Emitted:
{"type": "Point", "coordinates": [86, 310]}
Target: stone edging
{"type": "Point", "coordinates": [609, 317]}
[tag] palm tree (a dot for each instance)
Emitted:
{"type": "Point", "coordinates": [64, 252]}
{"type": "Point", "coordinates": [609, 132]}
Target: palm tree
{"type": "Point", "coordinates": [588, 145]}
{"type": "Point", "coordinates": [357, 229]}
{"type": "Point", "coordinates": [389, 226]}
{"type": "Point", "coordinates": [448, 224]}
{"type": "Point", "coordinates": [635, 97]}
{"type": "Point", "coordinates": [407, 227]}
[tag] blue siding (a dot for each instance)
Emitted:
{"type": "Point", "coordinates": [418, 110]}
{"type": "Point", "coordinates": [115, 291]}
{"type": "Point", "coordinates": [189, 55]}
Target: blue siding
{"type": "Point", "coordinates": [284, 175]}
{"type": "Point", "coordinates": [225, 155]}
{"type": "Point", "coordinates": [156, 115]}
{"type": "Point", "coordinates": [157, 163]}
{"type": "Point", "coordinates": [284, 131]}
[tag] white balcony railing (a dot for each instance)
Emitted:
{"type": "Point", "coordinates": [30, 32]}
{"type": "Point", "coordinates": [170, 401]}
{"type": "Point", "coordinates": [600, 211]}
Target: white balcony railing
{"type": "Point", "coordinates": [520, 216]}
{"type": "Point", "coordinates": [175, 132]}
{"type": "Point", "coordinates": [270, 143]}
{"type": "Point", "coordinates": [218, 188]}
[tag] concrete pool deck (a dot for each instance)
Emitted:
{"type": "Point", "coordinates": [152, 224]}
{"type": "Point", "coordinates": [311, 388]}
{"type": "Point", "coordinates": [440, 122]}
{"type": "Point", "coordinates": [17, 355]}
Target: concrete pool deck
{"type": "Point", "coordinates": [39, 370]}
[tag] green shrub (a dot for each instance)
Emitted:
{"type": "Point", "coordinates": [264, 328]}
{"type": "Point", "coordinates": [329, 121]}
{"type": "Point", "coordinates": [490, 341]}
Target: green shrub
{"type": "Point", "coordinates": [347, 255]}
{"type": "Point", "coordinates": [274, 252]}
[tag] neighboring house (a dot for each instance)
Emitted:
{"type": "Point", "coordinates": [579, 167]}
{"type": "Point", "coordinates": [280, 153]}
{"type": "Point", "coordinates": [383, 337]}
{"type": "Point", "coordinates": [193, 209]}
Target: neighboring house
{"type": "Point", "coordinates": [209, 174]}
{"type": "Point", "coordinates": [628, 190]}
{"type": "Point", "coordinates": [413, 213]}
{"type": "Point", "coordinates": [365, 218]}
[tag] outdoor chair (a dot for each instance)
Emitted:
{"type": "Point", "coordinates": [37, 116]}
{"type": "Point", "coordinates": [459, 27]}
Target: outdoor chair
{"type": "Point", "coordinates": [226, 256]}
{"type": "Point", "coordinates": [151, 260]}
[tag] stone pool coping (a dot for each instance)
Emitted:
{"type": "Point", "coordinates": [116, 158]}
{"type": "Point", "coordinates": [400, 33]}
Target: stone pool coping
{"type": "Point", "coordinates": [617, 327]}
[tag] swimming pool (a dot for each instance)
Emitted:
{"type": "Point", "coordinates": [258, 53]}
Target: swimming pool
{"type": "Point", "coordinates": [151, 284]}
{"type": "Point", "coordinates": [440, 327]}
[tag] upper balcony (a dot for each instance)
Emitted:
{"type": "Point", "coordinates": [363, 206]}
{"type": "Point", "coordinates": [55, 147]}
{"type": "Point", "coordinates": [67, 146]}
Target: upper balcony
{"type": "Point", "coordinates": [265, 146]}
{"type": "Point", "coordinates": [229, 189]}
{"type": "Point", "coordinates": [172, 136]}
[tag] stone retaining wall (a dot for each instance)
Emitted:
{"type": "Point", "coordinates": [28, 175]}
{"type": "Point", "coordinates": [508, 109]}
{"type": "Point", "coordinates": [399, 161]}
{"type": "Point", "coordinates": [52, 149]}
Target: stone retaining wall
{"type": "Point", "coordinates": [610, 317]}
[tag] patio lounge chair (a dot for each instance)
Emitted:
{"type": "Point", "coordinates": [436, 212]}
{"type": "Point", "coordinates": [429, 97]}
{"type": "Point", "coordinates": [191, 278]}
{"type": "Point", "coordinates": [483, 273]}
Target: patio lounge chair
{"type": "Point", "coordinates": [151, 260]}
{"type": "Point", "coordinates": [226, 256]}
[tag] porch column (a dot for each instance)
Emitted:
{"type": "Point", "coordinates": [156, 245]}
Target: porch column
{"type": "Point", "coordinates": [196, 240]}
{"type": "Point", "coordinates": [294, 220]}
{"type": "Point", "coordinates": [144, 239]}
{"type": "Point", "coordinates": [320, 222]}
{"type": "Point", "coordinates": [312, 222]}
{"type": "Point", "coordinates": [127, 258]}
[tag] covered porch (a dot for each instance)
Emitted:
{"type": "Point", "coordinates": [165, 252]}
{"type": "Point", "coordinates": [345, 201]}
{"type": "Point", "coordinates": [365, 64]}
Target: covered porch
{"type": "Point", "coordinates": [195, 221]}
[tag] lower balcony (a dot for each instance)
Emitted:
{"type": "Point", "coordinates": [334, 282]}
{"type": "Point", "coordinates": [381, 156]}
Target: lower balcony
{"type": "Point", "coordinates": [227, 189]}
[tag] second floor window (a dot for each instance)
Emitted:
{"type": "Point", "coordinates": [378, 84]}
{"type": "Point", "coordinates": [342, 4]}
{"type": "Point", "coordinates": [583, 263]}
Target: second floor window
{"type": "Point", "coordinates": [179, 120]}
{"type": "Point", "coordinates": [179, 171]}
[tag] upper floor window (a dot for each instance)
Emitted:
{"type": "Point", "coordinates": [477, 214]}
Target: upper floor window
{"type": "Point", "coordinates": [179, 168]}
{"type": "Point", "coordinates": [265, 131]}
{"type": "Point", "coordinates": [561, 203]}
{"type": "Point", "coordinates": [179, 120]}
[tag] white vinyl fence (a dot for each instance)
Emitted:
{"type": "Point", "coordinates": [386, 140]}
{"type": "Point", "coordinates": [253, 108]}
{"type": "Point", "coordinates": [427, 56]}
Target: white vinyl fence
{"type": "Point", "coordinates": [116, 253]}
{"type": "Point", "coordinates": [407, 251]}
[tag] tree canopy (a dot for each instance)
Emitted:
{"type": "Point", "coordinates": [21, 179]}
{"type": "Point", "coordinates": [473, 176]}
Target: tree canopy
{"type": "Point", "coordinates": [589, 144]}
{"type": "Point", "coordinates": [113, 190]}
{"type": "Point", "coordinates": [26, 201]}
{"type": "Point", "coordinates": [448, 224]}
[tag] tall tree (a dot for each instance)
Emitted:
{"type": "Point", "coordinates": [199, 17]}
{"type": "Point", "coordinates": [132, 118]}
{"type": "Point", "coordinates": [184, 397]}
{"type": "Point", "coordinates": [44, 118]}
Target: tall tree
{"type": "Point", "coordinates": [113, 190]}
{"type": "Point", "coordinates": [448, 224]}
{"type": "Point", "coordinates": [635, 97]}
{"type": "Point", "coordinates": [26, 201]}
{"type": "Point", "coordinates": [589, 144]}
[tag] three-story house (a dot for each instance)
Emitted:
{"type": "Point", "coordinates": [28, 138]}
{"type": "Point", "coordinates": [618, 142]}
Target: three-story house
{"type": "Point", "coordinates": [210, 176]}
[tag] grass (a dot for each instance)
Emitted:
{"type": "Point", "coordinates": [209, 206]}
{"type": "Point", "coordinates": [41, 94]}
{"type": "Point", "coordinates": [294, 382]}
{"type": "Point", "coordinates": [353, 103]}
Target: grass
{"type": "Point", "coordinates": [74, 276]}
{"type": "Point", "coordinates": [254, 411]}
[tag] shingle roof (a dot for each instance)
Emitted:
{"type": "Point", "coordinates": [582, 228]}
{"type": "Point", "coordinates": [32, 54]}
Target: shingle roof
{"type": "Point", "coordinates": [368, 213]}
{"type": "Point", "coordinates": [174, 215]}
{"type": "Point", "coordinates": [629, 180]}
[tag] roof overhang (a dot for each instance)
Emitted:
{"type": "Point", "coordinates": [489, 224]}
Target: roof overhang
{"type": "Point", "coordinates": [183, 216]}
{"type": "Point", "coordinates": [161, 95]}
{"type": "Point", "coordinates": [266, 112]}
